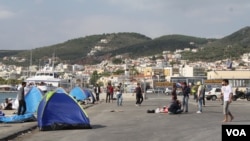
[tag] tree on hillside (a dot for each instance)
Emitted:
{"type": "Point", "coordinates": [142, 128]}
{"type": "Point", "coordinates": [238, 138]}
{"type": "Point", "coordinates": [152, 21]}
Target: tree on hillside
{"type": "Point", "coordinates": [94, 77]}
{"type": "Point", "coordinates": [117, 61]}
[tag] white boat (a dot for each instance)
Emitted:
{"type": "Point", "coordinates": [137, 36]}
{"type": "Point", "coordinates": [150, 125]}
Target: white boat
{"type": "Point", "coordinates": [46, 78]}
{"type": "Point", "coordinates": [7, 89]}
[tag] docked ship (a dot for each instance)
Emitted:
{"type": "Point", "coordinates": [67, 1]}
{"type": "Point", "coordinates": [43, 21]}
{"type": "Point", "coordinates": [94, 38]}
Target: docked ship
{"type": "Point", "coordinates": [7, 89]}
{"type": "Point", "coordinates": [47, 79]}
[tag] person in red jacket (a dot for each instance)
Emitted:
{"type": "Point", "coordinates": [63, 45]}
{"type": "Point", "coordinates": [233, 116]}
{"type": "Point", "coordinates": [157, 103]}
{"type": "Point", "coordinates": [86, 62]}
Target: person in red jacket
{"type": "Point", "coordinates": [110, 92]}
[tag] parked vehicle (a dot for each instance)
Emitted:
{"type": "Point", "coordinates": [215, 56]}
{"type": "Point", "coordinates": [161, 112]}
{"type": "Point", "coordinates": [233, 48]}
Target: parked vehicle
{"type": "Point", "coordinates": [168, 90]}
{"type": "Point", "coordinates": [238, 94]}
{"type": "Point", "coordinates": [179, 91]}
{"type": "Point", "coordinates": [213, 94]}
{"type": "Point", "coordinates": [156, 90]}
{"type": "Point", "coordinates": [248, 96]}
{"type": "Point", "coordinates": [150, 91]}
{"type": "Point", "coordinates": [159, 90]}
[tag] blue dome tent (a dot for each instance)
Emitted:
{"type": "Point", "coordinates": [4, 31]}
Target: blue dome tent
{"type": "Point", "coordinates": [58, 110]}
{"type": "Point", "coordinates": [60, 89]}
{"type": "Point", "coordinates": [78, 94]}
{"type": "Point", "coordinates": [89, 93]}
{"type": "Point", "coordinates": [32, 99]}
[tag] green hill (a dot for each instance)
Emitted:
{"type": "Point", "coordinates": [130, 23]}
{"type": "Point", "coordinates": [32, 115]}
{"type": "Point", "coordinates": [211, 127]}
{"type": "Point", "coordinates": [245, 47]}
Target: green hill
{"type": "Point", "coordinates": [231, 46]}
{"type": "Point", "coordinates": [136, 45]}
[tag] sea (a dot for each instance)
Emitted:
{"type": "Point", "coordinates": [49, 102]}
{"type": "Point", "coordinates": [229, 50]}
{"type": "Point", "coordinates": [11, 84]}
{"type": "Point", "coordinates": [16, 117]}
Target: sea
{"type": "Point", "coordinates": [4, 95]}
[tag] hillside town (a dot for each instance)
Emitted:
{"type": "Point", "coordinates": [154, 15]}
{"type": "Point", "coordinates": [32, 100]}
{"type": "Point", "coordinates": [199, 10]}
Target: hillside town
{"type": "Point", "coordinates": [154, 71]}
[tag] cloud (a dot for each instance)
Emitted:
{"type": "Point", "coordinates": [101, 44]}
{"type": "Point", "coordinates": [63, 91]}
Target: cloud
{"type": "Point", "coordinates": [139, 5]}
{"type": "Point", "coordinates": [4, 14]}
{"type": "Point", "coordinates": [44, 22]}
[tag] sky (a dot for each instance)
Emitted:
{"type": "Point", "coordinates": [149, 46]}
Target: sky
{"type": "Point", "coordinates": [29, 24]}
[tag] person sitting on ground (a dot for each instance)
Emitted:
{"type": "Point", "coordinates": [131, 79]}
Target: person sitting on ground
{"type": "Point", "coordinates": [7, 105]}
{"type": "Point", "coordinates": [175, 106]}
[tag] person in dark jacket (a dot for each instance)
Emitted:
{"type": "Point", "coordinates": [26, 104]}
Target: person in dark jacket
{"type": "Point", "coordinates": [173, 93]}
{"type": "Point", "coordinates": [8, 102]}
{"type": "Point", "coordinates": [139, 96]}
{"type": "Point", "coordinates": [186, 92]}
{"type": "Point", "coordinates": [21, 100]}
{"type": "Point", "coordinates": [175, 106]}
{"type": "Point", "coordinates": [97, 91]}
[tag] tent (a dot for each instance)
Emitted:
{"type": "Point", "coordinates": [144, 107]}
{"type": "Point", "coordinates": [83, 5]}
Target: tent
{"type": "Point", "coordinates": [18, 118]}
{"type": "Point", "coordinates": [60, 89]}
{"type": "Point", "coordinates": [32, 99]}
{"type": "Point", "coordinates": [82, 94]}
{"type": "Point", "coordinates": [58, 110]}
{"type": "Point", "coordinates": [78, 94]}
{"type": "Point", "coordinates": [89, 94]}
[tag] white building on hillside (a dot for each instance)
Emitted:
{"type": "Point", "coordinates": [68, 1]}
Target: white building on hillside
{"type": "Point", "coordinates": [192, 71]}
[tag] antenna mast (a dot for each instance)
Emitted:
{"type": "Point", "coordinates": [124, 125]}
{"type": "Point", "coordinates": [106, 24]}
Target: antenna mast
{"type": "Point", "coordinates": [30, 62]}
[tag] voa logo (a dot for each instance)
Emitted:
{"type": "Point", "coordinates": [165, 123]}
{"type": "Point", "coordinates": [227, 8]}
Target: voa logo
{"type": "Point", "coordinates": [236, 132]}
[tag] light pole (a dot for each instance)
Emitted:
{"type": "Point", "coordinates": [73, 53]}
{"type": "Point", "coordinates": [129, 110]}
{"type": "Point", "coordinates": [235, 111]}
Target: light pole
{"type": "Point", "coordinates": [144, 88]}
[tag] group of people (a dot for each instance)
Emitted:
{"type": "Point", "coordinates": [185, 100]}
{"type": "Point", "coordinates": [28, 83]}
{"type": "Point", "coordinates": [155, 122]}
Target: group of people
{"type": "Point", "coordinates": [199, 96]}
{"type": "Point", "coordinates": [176, 106]}
{"type": "Point", "coordinates": [118, 91]}
{"type": "Point", "coordinates": [110, 92]}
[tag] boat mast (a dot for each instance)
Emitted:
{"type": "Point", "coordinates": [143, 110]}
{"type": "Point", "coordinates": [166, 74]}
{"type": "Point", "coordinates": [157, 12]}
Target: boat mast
{"type": "Point", "coordinates": [53, 57]}
{"type": "Point", "coordinates": [29, 73]}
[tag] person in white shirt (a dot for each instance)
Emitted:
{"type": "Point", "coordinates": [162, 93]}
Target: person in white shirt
{"type": "Point", "coordinates": [97, 91]}
{"type": "Point", "coordinates": [227, 97]}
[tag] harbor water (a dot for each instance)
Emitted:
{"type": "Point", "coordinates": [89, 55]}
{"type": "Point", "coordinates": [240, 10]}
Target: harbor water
{"type": "Point", "coordinates": [4, 95]}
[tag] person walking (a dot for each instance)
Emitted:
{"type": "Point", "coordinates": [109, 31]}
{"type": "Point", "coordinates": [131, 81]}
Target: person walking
{"type": "Point", "coordinates": [21, 100]}
{"type": "Point", "coordinates": [119, 91]}
{"type": "Point", "coordinates": [97, 91]}
{"type": "Point", "coordinates": [139, 96]}
{"type": "Point", "coordinates": [227, 97]}
{"type": "Point", "coordinates": [221, 95]}
{"type": "Point", "coordinates": [186, 92]}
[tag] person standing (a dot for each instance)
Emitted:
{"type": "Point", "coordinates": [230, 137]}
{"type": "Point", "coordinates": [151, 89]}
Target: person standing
{"type": "Point", "coordinates": [110, 91]}
{"type": "Point", "coordinates": [21, 100]}
{"type": "Point", "coordinates": [186, 92]}
{"type": "Point", "coordinates": [203, 95]}
{"type": "Point", "coordinates": [194, 90]}
{"type": "Point", "coordinates": [173, 93]}
{"type": "Point", "coordinates": [139, 96]}
{"type": "Point", "coordinates": [227, 97]}
{"type": "Point", "coordinates": [200, 95]}
{"type": "Point", "coordinates": [119, 92]}
{"type": "Point", "coordinates": [97, 91]}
